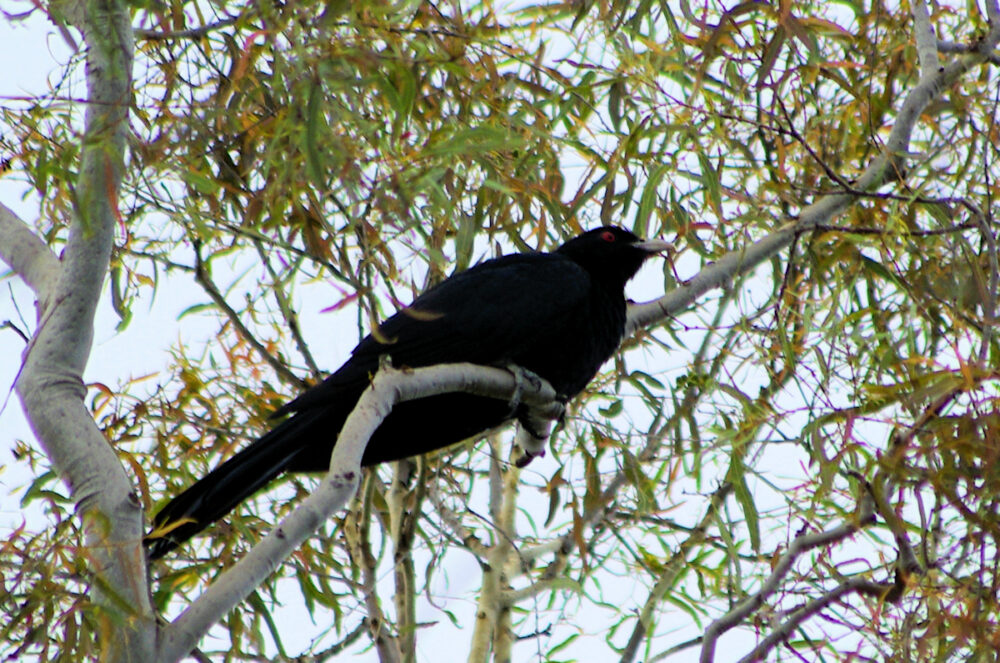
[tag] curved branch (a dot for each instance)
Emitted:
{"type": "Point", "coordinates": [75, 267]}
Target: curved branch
{"type": "Point", "coordinates": [668, 577]}
{"type": "Point", "coordinates": [799, 545]}
{"type": "Point", "coordinates": [884, 167]}
{"type": "Point", "coordinates": [50, 384]}
{"type": "Point", "coordinates": [783, 632]}
{"type": "Point", "coordinates": [26, 254]}
{"type": "Point", "coordinates": [389, 387]}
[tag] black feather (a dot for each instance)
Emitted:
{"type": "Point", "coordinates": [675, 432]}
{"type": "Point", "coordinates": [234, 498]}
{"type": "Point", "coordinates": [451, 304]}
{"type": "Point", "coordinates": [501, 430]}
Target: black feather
{"type": "Point", "coordinates": [560, 315]}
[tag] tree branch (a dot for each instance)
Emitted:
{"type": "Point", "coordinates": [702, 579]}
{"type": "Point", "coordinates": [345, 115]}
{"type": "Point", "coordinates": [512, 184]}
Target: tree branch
{"type": "Point", "coordinates": [799, 545]}
{"type": "Point", "coordinates": [357, 535]}
{"type": "Point", "coordinates": [402, 529]}
{"type": "Point", "coordinates": [504, 551]}
{"type": "Point", "coordinates": [883, 167]}
{"type": "Point", "coordinates": [562, 547]}
{"type": "Point", "coordinates": [190, 33]}
{"type": "Point", "coordinates": [205, 281]}
{"type": "Point", "coordinates": [26, 254]}
{"type": "Point", "coordinates": [50, 385]}
{"type": "Point", "coordinates": [287, 311]}
{"type": "Point", "coordinates": [989, 297]}
{"type": "Point", "coordinates": [469, 540]}
{"type": "Point", "coordinates": [670, 572]}
{"type": "Point", "coordinates": [923, 35]}
{"type": "Point", "coordinates": [389, 387]}
{"type": "Point", "coordinates": [953, 47]}
{"type": "Point", "coordinates": [782, 633]}
{"type": "Point", "coordinates": [488, 606]}
{"type": "Point", "coordinates": [993, 14]}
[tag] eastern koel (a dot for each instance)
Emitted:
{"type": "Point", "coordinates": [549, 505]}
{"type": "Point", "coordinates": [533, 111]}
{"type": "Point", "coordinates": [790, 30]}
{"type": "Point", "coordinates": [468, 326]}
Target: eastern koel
{"type": "Point", "coordinates": [560, 315]}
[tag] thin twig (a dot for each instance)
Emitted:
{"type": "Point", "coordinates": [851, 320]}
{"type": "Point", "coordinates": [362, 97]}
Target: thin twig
{"type": "Point", "coordinates": [955, 47]}
{"type": "Point", "coordinates": [338, 648]}
{"type": "Point", "coordinates": [469, 540]}
{"type": "Point", "coordinates": [676, 649]}
{"type": "Point", "coordinates": [190, 33]}
{"type": "Point", "coordinates": [798, 546]}
{"type": "Point", "coordinates": [287, 312]}
{"type": "Point", "coordinates": [857, 230]}
{"type": "Point", "coordinates": [986, 229]}
{"type": "Point", "coordinates": [780, 634]}
{"type": "Point", "coordinates": [202, 278]}
{"type": "Point", "coordinates": [670, 572]}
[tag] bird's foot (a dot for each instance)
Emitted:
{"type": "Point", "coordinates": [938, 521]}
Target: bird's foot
{"type": "Point", "coordinates": [534, 428]}
{"type": "Point", "coordinates": [522, 379]}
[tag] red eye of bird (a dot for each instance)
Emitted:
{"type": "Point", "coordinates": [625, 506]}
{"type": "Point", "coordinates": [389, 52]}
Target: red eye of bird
{"type": "Point", "coordinates": [608, 236]}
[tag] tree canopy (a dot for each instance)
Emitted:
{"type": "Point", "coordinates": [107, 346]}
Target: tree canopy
{"type": "Point", "coordinates": [795, 454]}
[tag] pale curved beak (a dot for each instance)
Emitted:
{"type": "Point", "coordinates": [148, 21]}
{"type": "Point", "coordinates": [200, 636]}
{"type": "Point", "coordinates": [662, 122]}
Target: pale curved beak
{"type": "Point", "coordinates": [654, 246]}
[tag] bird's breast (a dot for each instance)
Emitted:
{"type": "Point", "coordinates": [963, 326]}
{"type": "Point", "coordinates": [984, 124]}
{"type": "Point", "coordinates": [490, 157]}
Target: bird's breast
{"type": "Point", "coordinates": [569, 356]}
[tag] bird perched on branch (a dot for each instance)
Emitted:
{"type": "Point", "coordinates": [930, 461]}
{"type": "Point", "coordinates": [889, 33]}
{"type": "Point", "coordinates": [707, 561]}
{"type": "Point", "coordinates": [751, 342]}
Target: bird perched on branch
{"type": "Point", "coordinates": [558, 315]}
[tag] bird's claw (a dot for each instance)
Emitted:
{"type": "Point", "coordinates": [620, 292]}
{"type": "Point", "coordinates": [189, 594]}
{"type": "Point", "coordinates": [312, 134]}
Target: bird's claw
{"type": "Point", "coordinates": [522, 378]}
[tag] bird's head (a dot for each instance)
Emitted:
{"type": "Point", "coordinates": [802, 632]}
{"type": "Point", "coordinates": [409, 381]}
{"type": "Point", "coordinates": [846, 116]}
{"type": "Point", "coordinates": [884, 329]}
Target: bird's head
{"type": "Point", "coordinates": [611, 253]}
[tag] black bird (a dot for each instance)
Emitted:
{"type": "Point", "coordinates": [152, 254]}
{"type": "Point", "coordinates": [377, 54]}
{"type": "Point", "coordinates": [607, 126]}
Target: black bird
{"type": "Point", "coordinates": [559, 315]}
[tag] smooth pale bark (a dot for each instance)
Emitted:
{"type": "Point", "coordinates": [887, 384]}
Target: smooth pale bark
{"type": "Point", "coordinates": [67, 289]}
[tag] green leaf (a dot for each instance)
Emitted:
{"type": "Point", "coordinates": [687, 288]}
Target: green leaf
{"type": "Point", "coordinates": [616, 103]}
{"type": "Point", "coordinates": [710, 180]}
{"type": "Point", "coordinates": [737, 477]}
{"type": "Point", "coordinates": [196, 308]}
{"type": "Point", "coordinates": [565, 643]}
{"type": "Point", "coordinates": [612, 410]}
{"type": "Point", "coordinates": [200, 182]}
{"type": "Point", "coordinates": [475, 140]}
{"type": "Point", "coordinates": [465, 240]}
{"type": "Point", "coordinates": [314, 122]}
{"type": "Point", "coordinates": [258, 603]}
{"type": "Point", "coordinates": [649, 199]}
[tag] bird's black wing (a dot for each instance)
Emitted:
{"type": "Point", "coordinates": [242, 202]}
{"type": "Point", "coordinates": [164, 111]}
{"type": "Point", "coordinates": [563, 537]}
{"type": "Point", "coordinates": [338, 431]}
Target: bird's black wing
{"type": "Point", "coordinates": [491, 314]}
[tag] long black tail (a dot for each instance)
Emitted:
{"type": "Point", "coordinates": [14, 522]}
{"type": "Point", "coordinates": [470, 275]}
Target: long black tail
{"type": "Point", "coordinates": [222, 489]}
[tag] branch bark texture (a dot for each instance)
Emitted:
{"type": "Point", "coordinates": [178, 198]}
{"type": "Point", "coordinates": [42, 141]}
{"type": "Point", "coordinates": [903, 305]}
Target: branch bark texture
{"type": "Point", "coordinates": [67, 289]}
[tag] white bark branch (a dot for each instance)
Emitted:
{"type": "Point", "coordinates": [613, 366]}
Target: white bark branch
{"type": "Point", "coordinates": [923, 35]}
{"type": "Point", "coordinates": [26, 254]}
{"type": "Point", "coordinates": [356, 527]}
{"type": "Point", "coordinates": [993, 14]}
{"type": "Point", "coordinates": [887, 165]}
{"type": "Point", "coordinates": [743, 261]}
{"type": "Point", "coordinates": [50, 385]}
{"type": "Point", "coordinates": [389, 387]}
